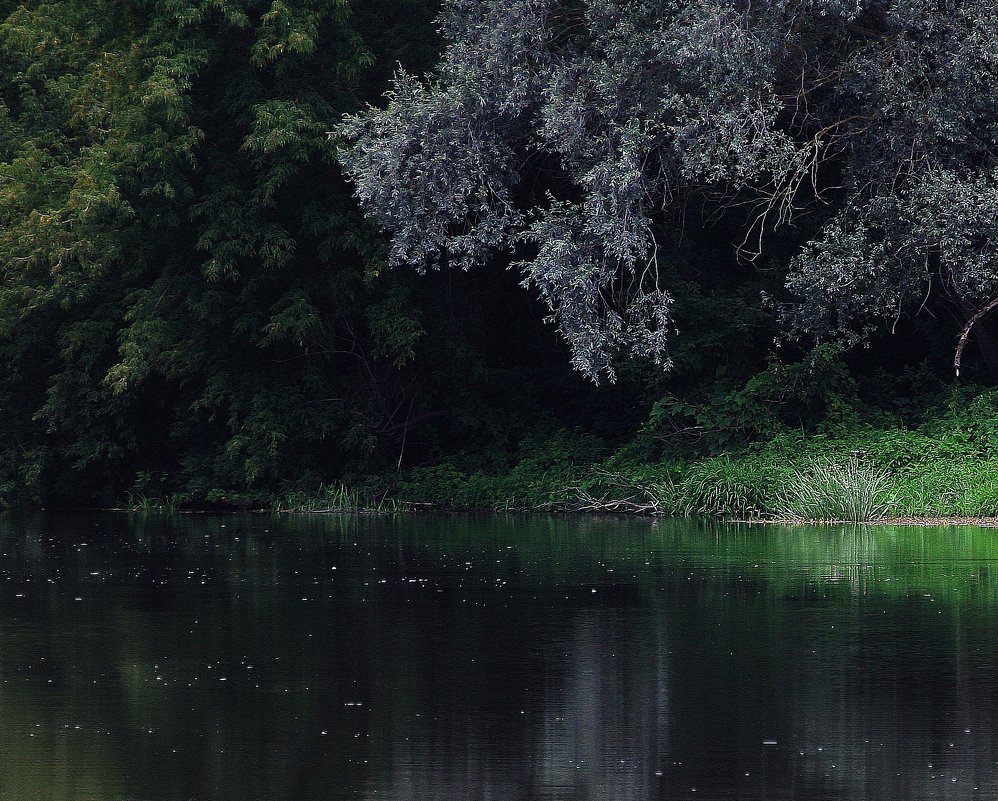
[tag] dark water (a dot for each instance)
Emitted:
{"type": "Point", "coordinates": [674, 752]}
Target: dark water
{"type": "Point", "coordinates": [463, 659]}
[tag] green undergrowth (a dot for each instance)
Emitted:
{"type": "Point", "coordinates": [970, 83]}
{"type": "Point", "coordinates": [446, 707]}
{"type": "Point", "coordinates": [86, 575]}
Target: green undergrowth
{"type": "Point", "coordinates": [884, 474]}
{"type": "Point", "coordinates": [881, 474]}
{"type": "Point", "coordinates": [947, 467]}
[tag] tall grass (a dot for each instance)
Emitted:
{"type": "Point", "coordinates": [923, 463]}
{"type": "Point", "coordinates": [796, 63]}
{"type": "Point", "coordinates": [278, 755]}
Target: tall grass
{"type": "Point", "coordinates": [336, 498]}
{"type": "Point", "coordinates": [725, 487]}
{"type": "Point", "coordinates": [138, 502]}
{"type": "Point", "coordinates": [855, 490]}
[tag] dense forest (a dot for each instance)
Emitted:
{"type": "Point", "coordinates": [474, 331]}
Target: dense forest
{"type": "Point", "coordinates": [584, 254]}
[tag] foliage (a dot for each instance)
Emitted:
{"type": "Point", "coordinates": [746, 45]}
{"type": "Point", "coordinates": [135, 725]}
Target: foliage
{"type": "Point", "coordinates": [576, 134]}
{"type": "Point", "coordinates": [185, 287]}
{"type": "Point", "coordinates": [194, 311]}
{"type": "Point", "coordinates": [945, 469]}
{"type": "Point", "coordinates": [537, 480]}
{"type": "Point", "coordinates": [329, 498]}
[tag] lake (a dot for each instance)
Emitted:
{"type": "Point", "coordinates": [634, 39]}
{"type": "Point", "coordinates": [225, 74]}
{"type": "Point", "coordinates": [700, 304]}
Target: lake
{"type": "Point", "coordinates": [463, 658]}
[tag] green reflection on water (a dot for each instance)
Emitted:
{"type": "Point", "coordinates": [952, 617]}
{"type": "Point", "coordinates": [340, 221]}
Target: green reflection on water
{"type": "Point", "coordinates": [948, 563]}
{"type": "Point", "coordinates": [359, 652]}
{"type": "Point", "coordinates": [952, 563]}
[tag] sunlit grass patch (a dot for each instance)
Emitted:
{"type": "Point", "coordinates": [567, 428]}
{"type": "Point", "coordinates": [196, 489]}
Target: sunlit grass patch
{"type": "Point", "coordinates": [855, 490]}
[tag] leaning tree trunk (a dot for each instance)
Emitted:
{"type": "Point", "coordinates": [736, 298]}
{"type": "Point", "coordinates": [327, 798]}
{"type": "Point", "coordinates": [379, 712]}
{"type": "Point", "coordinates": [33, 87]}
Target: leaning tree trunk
{"type": "Point", "coordinates": [988, 346]}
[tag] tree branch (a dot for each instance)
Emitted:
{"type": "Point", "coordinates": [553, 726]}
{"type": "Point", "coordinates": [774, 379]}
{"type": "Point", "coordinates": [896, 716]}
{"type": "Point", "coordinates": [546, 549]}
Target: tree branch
{"type": "Point", "coordinates": [965, 333]}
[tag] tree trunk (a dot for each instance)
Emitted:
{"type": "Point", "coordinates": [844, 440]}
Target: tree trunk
{"type": "Point", "coordinates": [984, 338]}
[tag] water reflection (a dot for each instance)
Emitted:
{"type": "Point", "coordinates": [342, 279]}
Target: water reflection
{"type": "Point", "coordinates": [493, 658]}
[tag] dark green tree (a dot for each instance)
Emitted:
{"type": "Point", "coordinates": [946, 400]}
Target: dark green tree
{"type": "Point", "coordinates": [186, 289]}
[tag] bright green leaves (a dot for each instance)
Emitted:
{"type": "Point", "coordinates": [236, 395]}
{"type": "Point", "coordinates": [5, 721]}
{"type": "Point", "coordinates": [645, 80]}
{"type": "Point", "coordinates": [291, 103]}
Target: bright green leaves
{"type": "Point", "coordinates": [193, 13]}
{"type": "Point", "coordinates": [49, 39]}
{"type": "Point", "coordinates": [292, 33]}
{"type": "Point", "coordinates": [166, 89]}
{"type": "Point", "coordinates": [285, 136]}
{"type": "Point", "coordinates": [101, 117]}
{"type": "Point", "coordinates": [293, 317]}
{"type": "Point", "coordinates": [282, 125]}
{"type": "Point", "coordinates": [286, 29]}
{"type": "Point", "coordinates": [55, 219]}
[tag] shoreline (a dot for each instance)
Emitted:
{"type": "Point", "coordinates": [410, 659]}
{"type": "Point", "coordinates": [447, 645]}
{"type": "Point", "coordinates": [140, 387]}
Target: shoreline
{"type": "Point", "coordinates": [911, 522]}
{"type": "Point", "coordinates": [431, 509]}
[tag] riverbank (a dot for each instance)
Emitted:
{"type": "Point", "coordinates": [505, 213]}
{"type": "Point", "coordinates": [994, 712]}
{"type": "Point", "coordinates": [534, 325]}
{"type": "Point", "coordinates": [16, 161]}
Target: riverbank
{"type": "Point", "coordinates": [891, 475]}
{"type": "Point", "coordinates": [943, 472]}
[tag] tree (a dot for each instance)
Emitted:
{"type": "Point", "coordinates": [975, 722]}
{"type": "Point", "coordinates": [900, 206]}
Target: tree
{"type": "Point", "coordinates": [571, 137]}
{"type": "Point", "coordinates": [186, 287]}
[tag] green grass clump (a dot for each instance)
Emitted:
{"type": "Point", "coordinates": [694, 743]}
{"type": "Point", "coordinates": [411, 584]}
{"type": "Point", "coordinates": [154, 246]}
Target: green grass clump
{"type": "Point", "coordinates": [332, 498]}
{"type": "Point", "coordinates": [725, 487]}
{"type": "Point", "coordinates": [855, 490]}
{"type": "Point", "coordinates": [336, 498]}
{"type": "Point", "coordinates": [138, 502]}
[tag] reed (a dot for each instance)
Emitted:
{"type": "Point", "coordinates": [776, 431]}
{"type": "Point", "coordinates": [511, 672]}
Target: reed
{"type": "Point", "coordinates": [329, 498]}
{"type": "Point", "coordinates": [855, 490]}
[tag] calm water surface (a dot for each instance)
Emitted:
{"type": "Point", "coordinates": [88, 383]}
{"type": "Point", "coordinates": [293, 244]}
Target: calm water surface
{"type": "Point", "coordinates": [247, 658]}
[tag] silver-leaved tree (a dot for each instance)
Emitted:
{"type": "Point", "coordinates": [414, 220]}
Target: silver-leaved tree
{"type": "Point", "coordinates": [567, 137]}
